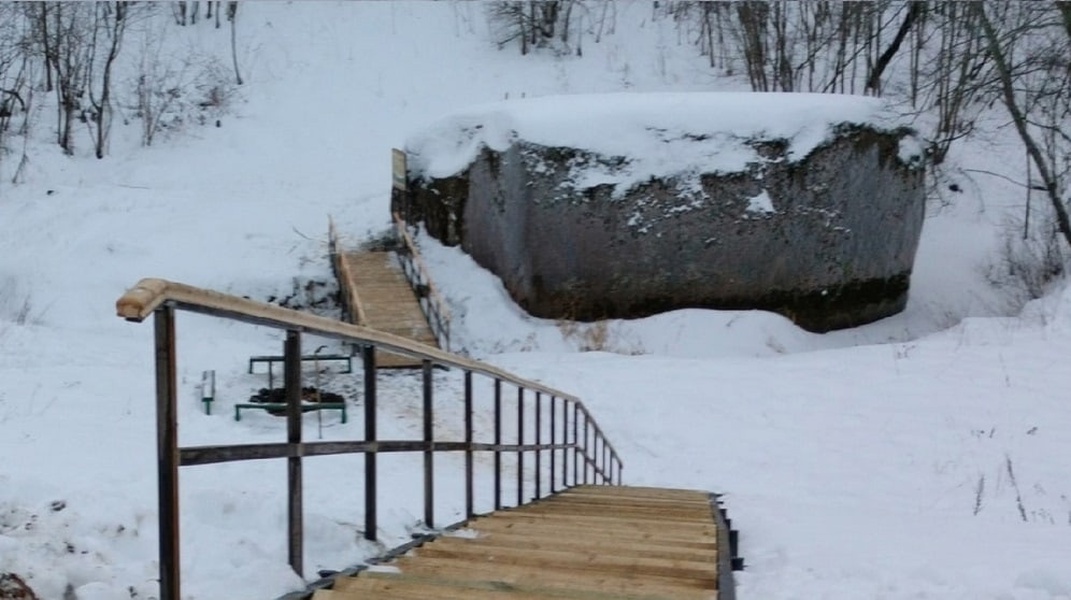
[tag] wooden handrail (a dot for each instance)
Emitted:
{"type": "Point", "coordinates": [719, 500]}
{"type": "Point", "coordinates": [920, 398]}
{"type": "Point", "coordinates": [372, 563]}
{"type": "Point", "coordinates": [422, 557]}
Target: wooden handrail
{"type": "Point", "coordinates": [161, 299]}
{"type": "Point", "coordinates": [139, 302]}
{"type": "Point", "coordinates": [345, 276]}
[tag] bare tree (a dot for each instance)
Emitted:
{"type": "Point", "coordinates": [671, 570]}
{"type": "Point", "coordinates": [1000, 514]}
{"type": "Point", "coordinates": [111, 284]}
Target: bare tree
{"type": "Point", "coordinates": [67, 33]}
{"type": "Point", "coordinates": [873, 81]}
{"type": "Point", "coordinates": [109, 25]}
{"type": "Point", "coordinates": [232, 16]}
{"type": "Point", "coordinates": [533, 24]}
{"type": "Point", "coordinates": [1030, 51]}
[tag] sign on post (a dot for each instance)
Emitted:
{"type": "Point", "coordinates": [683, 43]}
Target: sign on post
{"type": "Point", "coordinates": [398, 168]}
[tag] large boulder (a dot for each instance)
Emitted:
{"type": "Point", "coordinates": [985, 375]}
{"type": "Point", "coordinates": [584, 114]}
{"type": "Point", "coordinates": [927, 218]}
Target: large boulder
{"type": "Point", "coordinates": [626, 205]}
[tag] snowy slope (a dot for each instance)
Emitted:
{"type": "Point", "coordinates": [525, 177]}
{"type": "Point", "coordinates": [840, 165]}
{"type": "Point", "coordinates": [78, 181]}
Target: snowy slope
{"type": "Point", "coordinates": [852, 461]}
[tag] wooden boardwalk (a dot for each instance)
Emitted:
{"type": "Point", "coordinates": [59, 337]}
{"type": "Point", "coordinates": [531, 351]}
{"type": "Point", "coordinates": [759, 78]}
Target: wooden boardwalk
{"type": "Point", "coordinates": [590, 542]}
{"type": "Point", "coordinates": [379, 296]}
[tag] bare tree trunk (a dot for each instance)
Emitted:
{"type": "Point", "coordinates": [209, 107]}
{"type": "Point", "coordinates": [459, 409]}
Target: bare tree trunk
{"type": "Point", "coordinates": [1007, 86]}
{"type": "Point", "coordinates": [46, 43]}
{"type": "Point", "coordinates": [232, 16]}
{"type": "Point", "coordinates": [753, 20]}
{"type": "Point", "coordinates": [116, 26]}
{"type": "Point", "coordinates": [873, 82]}
{"type": "Point", "coordinates": [1065, 14]}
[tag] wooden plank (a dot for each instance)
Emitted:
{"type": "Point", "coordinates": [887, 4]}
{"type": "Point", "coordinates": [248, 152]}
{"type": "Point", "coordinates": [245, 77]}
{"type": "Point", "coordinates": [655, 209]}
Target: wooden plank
{"type": "Point", "coordinates": [436, 586]}
{"type": "Point", "coordinates": [580, 501]}
{"type": "Point", "coordinates": [652, 540]}
{"type": "Point", "coordinates": [397, 588]}
{"type": "Point", "coordinates": [564, 525]}
{"type": "Point", "coordinates": [598, 521]}
{"type": "Point", "coordinates": [611, 502]}
{"type": "Point", "coordinates": [621, 582]}
{"type": "Point", "coordinates": [619, 545]}
{"type": "Point", "coordinates": [571, 558]}
{"type": "Point", "coordinates": [668, 514]}
{"type": "Point", "coordinates": [637, 491]}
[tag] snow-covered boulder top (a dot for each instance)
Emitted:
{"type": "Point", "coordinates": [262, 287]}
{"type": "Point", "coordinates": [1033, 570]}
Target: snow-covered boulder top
{"type": "Point", "coordinates": [658, 134]}
{"type": "Point", "coordinates": [625, 205]}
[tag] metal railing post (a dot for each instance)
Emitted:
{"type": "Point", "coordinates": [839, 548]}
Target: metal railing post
{"type": "Point", "coordinates": [292, 383]}
{"type": "Point", "coordinates": [553, 441]}
{"type": "Point", "coordinates": [587, 455]}
{"type": "Point", "coordinates": [369, 359]}
{"type": "Point", "coordinates": [429, 455]}
{"type": "Point", "coordinates": [167, 453]}
{"type": "Point", "coordinates": [576, 443]}
{"type": "Point", "coordinates": [538, 441]}
{"type": "Point", "coordinates": [606, 463]}
{"type": "Point", "coordinates": [469, 492]}
{"type": "Point", "coordinates": [498, 442]}
{"type": "Point", "coordinates": [520, 442]}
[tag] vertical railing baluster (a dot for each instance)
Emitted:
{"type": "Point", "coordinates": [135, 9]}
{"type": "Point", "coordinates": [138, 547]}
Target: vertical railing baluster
{"type": "Point", "coordinates": [469, 492]}
{"type": "Point", "coordinates": [576, 442]}
{"type": "Point", "coordinates": [538, 441]}
{"type": "Point", "coordinates": [292, 383]}
{"type": "Point", "coordinates": [370, 524]}
{"type": "Point", "coordinates": [429, 455]}
{"type": "Point", "coordinates": [594, 450]}
{"type": "Point", "coordinates": [553, 441]}
{"type": "Point", "coordinates": [606, 463]}
{"type": "Point", "coordinates": [565, 440]}
{"type": "Point", "coordinates": [520, 442]}
{"type": "Point", "coordinates": [498, 443]}
{"type": "Point", "coordinates": [167, 453]}
{"type": "Point", "coordinates": [587, 455]}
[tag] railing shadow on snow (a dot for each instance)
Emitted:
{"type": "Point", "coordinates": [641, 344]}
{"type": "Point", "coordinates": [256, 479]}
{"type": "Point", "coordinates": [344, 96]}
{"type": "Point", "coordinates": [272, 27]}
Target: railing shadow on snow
{"type": "Point", "coordinates": [577, 450]}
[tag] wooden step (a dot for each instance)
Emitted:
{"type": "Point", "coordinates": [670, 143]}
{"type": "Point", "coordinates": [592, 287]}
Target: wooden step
{"type": "Point", "coordinates": [578, 578]}
{"type": "Point", "coordinates": [655, 541]}
{"type": "Point", "coordinates": [621, 545]}
{"type": "Point", "coordinates": [394, 586]}
{"type": "Point", "coordinates": [590, 542]}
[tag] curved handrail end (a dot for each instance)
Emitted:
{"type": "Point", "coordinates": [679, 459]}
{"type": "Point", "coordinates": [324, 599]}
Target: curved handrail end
{"type": "Point", "coordinates": [139, 301]}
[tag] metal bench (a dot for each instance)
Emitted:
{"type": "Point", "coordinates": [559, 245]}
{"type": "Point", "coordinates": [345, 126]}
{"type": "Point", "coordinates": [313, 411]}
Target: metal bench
{"type": "Point", "coordinates": [272, 359]}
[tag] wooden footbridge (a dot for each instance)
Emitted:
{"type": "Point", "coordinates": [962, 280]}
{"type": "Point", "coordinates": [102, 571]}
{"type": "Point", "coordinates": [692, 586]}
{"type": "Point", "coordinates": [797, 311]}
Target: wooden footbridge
{"type": "Point", "coordinates": [391, 291]}
{"type": "Point", "coordinates": [573, 532]}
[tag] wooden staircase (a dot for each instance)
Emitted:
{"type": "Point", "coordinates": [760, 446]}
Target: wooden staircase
{"type": "Point", "coordinates": [590, 542]}
{"type": "Point", "coordinates": [379, 296]}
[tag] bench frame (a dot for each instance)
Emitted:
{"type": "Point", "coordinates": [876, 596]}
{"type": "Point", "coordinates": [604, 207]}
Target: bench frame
{"type": "Point", "coordinates": [272, 359]}
{"type": "Point", "coordinates": [281, 406]}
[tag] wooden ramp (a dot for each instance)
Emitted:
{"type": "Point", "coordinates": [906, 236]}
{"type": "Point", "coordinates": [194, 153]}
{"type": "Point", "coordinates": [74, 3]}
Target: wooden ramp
{"type": "Point", "coordinates": [379, 296]}
{"type": "Point", "coordinates": [590, 542]}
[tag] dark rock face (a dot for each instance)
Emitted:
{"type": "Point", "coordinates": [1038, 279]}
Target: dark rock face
{"type": "Point", "coordinates": [828, 241]}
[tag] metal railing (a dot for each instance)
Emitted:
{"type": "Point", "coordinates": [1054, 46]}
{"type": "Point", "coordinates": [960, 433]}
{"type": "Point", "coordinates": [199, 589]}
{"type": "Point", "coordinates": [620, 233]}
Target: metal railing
{"type": "Point", "coordinates": [573, 433]}
{"type": "Point", "coordinates": [431, 302]}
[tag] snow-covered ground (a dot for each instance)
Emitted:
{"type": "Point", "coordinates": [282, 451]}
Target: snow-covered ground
{"type": "Point", "coordinates": [924, 456]}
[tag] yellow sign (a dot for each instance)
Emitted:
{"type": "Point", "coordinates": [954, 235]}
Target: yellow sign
{"type": "Point", "coordinates": [398, 168]}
